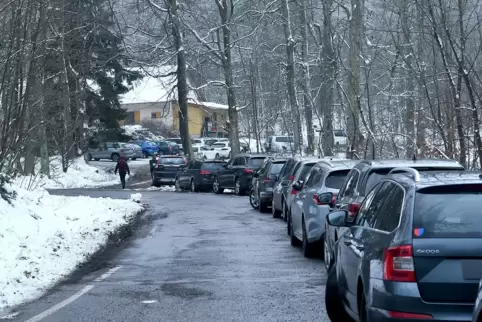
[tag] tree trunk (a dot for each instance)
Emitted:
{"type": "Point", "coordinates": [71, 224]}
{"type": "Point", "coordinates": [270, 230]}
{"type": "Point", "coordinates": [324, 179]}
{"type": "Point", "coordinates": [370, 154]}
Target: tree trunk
{"type": "Point", "coordinates": [306, 79]}
{"type": "Point", "coordinates": [290, 77]}
{"type": "Point", "coordinates": [182, 88]}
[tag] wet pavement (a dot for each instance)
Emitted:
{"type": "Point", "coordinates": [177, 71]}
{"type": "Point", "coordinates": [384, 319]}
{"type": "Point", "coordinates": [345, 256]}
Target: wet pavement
{"type": "Point", "coordinates": [194, 257]}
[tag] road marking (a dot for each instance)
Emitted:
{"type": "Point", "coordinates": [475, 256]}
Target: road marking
{"type": "Point", "coordinates": [149, 302]}
{"type": "Point", "coordinates": [107, 274]}
{"type": "Point", "coordinates": [62, 304]}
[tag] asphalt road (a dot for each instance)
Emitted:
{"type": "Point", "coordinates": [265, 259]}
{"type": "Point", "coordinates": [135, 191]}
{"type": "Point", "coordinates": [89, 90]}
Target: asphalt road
{"type": "Point", "coordinates": [194, 257]}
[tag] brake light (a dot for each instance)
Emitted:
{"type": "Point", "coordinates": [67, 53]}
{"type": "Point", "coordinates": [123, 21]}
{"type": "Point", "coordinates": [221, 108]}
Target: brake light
{"type": "Point", "coordinates": [291, 178]}
{"type": "Point", "coordinates": [169, 147]}
{"type": "Point", "coordinates": [248, 170]}
{"type": "Point", "coordinates": [403, 315]}
{"type": "Point", "coordinates": [353, 209]}
{"type": "Point", "coordinates": [333, 199]}
{"type": "Point", "coordinates": [205, 172]}
{"type": "Point", "coordinates": [398, 264]}
{"type": "Point", "coordinates": [293, 191]}
{"type": "Point", "coordinates": [316, 201]}
{"type": "Point", "coordinates": [266, 180]}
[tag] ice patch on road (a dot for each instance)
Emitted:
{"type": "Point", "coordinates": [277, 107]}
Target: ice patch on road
{"type": "Point", "coordinates": [43, 238]}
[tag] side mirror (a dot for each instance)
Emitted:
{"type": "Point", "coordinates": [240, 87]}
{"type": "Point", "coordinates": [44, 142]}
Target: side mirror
{"type": "Point", "coordinates": [298, 185]}
{"type": "Point", "coordinates": [338, 219]}
{"type": "Point", "coordinates": [326, 198]}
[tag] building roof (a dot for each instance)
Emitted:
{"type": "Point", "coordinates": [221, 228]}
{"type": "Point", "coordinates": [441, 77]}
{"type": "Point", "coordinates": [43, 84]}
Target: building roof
{"type": "Point", "coordinates": [158, 85]}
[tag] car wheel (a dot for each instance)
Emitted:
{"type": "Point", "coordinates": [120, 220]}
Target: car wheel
{"type": "Point", "coordinates": [307, 248]}
{"type": "Point", "coordinates": [285, 211]}
{"type": "Point", "coordinates": [334, 306]}
{"type": "Point", "coordinates": [145, 155]}
{"type": "Point", "coordinates": [97, 159]}
{"type": "Point", "coordinates": [115, 157]}
{"type": "Point", "coordinates": [193, 186]}
{"type": "Point", "coordinates": [263, 207]}
{"type": "Point", "coordinates": [276, 213]}
{"type": "Point", "coordinates": [237, 188]}
{"type": "Point", "coordinates": [134, 159]}
{"type": "Point", "coordinates": [293, 240]}
{"type": "Point", "coordinates": [253, 200]}
{"type": "Point", "coordinates": [216, 187]}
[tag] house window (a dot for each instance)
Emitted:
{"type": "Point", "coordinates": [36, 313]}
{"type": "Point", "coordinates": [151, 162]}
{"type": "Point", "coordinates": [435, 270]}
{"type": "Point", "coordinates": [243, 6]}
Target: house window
{"type": "Point", "coordinates": [155, 115]}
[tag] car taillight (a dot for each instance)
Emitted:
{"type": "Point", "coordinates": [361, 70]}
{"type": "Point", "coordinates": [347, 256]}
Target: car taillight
{"type": "Point", "coordinates": [316, 201]}
{"type": "Point", "coordinates": [398, 264]}
{"type": "Point", "coordinates": [205, 172]}
{"type": "Point", "coordinates": [293, 191]}
{"type": "Point", "coordinates": [169, 147]}
{"type": "Point", "coordinates": [333, 199]}
{"type": "Point", "coordinates": [248, 170]}
{"type": "Point", "coordinates": [404, 315]}
{"type": "Point", "coordinates": [353, 209]}
{"type": "Point", "coordinates": [291, 178]}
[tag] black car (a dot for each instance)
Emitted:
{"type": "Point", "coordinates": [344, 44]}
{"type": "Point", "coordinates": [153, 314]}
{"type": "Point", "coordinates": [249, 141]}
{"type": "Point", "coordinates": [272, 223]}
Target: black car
{"type": "Point", "coordinates": [413, 251]}
{"type": "Point", "coordinates": [166, 168]}
{"type": "Point", "coordinates": [264, 180]}
{"type": "Point", "coordinates": [238, 173]}
{"type": "Point", "coordinates": [198, 175]}
{"type": "Point", "coordinates": [363, 177]}
{"type": "Point", "coordinates": [477, 316]}
{"type": "Point", "coordinates": [168, 148]}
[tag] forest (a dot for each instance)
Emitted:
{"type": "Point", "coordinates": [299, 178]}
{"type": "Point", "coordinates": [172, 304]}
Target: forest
{"type": "Point", "coordinates": [401, 77]}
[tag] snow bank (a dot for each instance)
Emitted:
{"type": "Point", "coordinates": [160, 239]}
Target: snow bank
{"type": "Point", "coordinates": [79, 175]}
{"type": "Point", "coordinates": [43, 238]}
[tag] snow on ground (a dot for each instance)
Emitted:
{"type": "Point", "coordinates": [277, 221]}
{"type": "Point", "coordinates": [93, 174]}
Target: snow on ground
{"type": "Point", "coordinates": [43, 238]}
{"type": "Point", "coordinates": [78, 175]}
{"type": "Point", "coordinates": [161, 188]}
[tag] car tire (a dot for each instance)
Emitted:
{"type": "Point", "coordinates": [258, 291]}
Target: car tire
{"type": "Point", "coordinates": [115, 157]}
{"type": "Point", "coordinates": [293, 240]}
{"type": "Point", "coordinates": [134, 159]}
{"type": "Point", "coordinates": [263, 207]}
{"type": "Point", "coordinates": [97, 159]}
{"type": "Point", "coordinates": [216, 187]}
{"type": "Point", "coordinates": [285, 213]}
{"type": "Point", "coordinates": [193, 186]}
{"type": "Point", "coordinates": [334, 306]}
{"type": "Point", "coordinates": [276, 213]}
{"type": "Point", "coordinates": [145, 155]}
{"type": "Point", "coordinates": [307, 248]}
{"type": "Point", "coordinates": [253, 200]}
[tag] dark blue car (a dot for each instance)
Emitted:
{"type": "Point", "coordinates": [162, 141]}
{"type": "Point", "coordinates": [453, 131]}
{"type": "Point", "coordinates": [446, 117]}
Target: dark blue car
{"type": "Point", "coordinates": [148, 148]}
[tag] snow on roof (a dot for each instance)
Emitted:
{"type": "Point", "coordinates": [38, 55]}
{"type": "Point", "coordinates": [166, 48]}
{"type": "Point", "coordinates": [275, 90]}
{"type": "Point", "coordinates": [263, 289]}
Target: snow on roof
{"type": "Point", "coordinates": [210, 105]}
{"type": "Point", "coordinates": [158, 85]}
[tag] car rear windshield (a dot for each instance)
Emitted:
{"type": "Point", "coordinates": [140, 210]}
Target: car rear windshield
{"type": "Point", "coordinates": [255, 162]}
{"type": "Point", "coordinates": [284, 139]}
{"type": "Point", "coordinates": [336, 179]}
{"type": "Point", "coordinates": [275, 168]}
{"type": "Point", "coordinates": [305, 169]}
{"type": "Point", "coordinates": [172, 161]}
{"type": "Point", "coordinates": [212, 165]}
{"type": "Point", "coordinates": [448, 212]}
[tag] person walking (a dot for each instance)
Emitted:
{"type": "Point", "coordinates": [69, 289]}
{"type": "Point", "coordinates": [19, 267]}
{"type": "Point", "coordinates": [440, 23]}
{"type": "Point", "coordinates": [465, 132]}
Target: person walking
{"type": "Point", "coordinates": [123, 169]}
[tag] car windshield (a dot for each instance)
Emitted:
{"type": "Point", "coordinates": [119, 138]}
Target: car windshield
{"type": "Point", "coordinates": [275, 168]}
{"type": "Point", "coordinates": [212, 165]}
{"type": "Point", "coordinates": [218, 145]}
{"type": "Point", "coordinates": [171, 160]}
{"type": "Point", "coordinates": [178, 141]}
{"type": "Point", "coordinates": [339, 133]}
{"type": "Point", "coordinates": [336, 179]}
{"type": "Point", "coordinates": [449, 212]}
{"type": "Point", "coordinates": [284, 139]}
{"type": "Point", "coordinates": [255, 162]}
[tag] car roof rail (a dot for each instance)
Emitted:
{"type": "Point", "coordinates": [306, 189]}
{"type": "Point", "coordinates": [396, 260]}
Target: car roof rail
{"type": "Point", "coordinates": [415, 174]}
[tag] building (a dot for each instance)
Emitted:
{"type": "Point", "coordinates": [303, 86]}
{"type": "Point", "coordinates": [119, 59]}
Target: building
{"type": "Point", "coordinates": [154, 98]}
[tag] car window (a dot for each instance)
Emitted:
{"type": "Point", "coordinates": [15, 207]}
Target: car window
{"type": "Point", "coordinates": [286, 171]}
{"type": "Point", "coordinates": [361, 216]}
{"type": "Point", "coordinates": [448, 212]}
{"type": "Point", "coordinates": [351, 185]}
{"type": "Point", "coordinates": [172, 160]}
{"type": "Point", "coordinates": [284, 139]}
{"type": "Point", "coordinates": [388, 217]}
{"type": "Point", "coordinates": [275, 168]}
{"type": "Point", "coordinates": [212, 165]}
{"type": "Point", "coordinates": [191, 165]}
{"type": "Point", "coordinates": [376, 205]}
{"type": "Point", "coordinates": [311, 176]}
{"type": "Point", "coordinates": [162, 143]}
{"type": "Point", "coordinates": [304, 171]}
{"type": "Point", "coordinates": [239, 161]}
{"type": "Point", "coordinates": [339, 133]}
{"type": "Point", "coordinates": [374, 177]}
{"type": "Point", "coordinates": [335, 179]}
{"type": "Point", "coordinates": [255, 162]}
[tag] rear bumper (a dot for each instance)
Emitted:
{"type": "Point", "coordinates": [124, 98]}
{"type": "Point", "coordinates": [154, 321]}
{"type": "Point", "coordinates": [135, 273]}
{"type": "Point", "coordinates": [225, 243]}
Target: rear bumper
{"type": "Point", "coordinates": [405, 297]}
{"type": "Point", "coordinates": [266, 196]}
{"type": "Point", "coordinates": [167, 178]}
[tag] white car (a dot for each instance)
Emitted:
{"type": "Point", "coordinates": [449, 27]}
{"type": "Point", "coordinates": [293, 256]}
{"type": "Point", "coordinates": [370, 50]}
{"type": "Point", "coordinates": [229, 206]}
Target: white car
{"type": "Point", "coordinates": [219, 150]}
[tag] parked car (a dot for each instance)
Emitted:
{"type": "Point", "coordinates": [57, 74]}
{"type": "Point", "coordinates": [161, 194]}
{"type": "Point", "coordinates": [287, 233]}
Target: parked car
{"type": "Point", "coordinates": [237, 174]}
{"type": "Point", "coordinates": [137, 151]}
{"type": "Point", "coordinates": [167, 169]}
{"type": "Point", "coordinates": [280, 143]}
{"type": "Point", "coordinates": [264, 179]}
{"type": "Point", "coordinates": [362, 178]}
{"type": "Point", "coordinates": [218, 150]}
{"type": "Point", "coordinates": [477, 315]}
{"type": "Point", "coordinates": [309, 209]}
{"type": "Point", "coordinates": [168, 148]}
{"type": "Point", "coordinates": [148, 148]}
{"type": "Point", "coordinates": [413, 251]}
{"type": "Point", "coordinates": [108, 150]}
{"type": "Point", "coordinates": [340, 137]}
{"type": "Point", "coordinates": [198, 175]}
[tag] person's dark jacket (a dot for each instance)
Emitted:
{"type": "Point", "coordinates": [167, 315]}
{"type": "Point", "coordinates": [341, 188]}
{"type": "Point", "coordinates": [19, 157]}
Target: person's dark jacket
{"type": "Point", "coordinates": [122, 166]}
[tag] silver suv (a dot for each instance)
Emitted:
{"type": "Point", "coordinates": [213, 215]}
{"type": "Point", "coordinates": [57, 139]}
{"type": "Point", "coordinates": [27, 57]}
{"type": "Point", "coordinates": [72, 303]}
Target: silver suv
{"type": "Point", "coordinates": [109, 150]}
